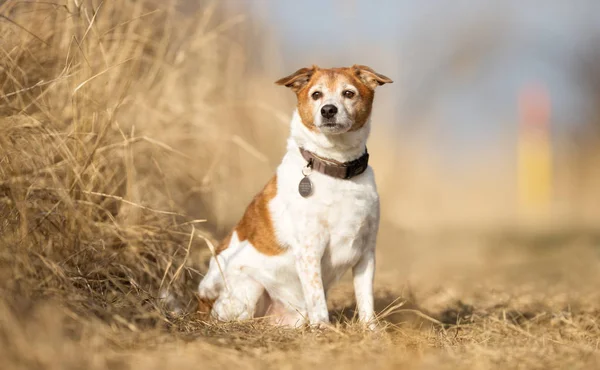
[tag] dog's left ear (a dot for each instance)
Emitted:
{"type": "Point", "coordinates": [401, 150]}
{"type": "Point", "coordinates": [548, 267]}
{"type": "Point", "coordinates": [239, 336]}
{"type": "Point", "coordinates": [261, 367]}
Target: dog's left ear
{"type": "Point", "coordinates": [297, 80]}
{"type": "Point", "coordinates": [369, 77]}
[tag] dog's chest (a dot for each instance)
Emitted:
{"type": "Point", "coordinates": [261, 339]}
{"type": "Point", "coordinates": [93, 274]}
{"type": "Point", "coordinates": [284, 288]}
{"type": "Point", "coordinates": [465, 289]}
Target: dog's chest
{"type": "Point", "coordinates": [351, 211]}
{"type": "Point", "coordinates": [340, 213]}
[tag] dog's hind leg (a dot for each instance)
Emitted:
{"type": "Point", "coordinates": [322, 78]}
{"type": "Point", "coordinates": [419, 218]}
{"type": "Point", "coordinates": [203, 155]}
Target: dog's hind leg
{"type": "Point", "coordinates": [239, 300]}
{"type": "Point", "coordinates": [212, 284]}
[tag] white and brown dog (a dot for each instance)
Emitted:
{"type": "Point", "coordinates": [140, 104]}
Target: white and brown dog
{"type": "Point", "coordinates": [315, 219]}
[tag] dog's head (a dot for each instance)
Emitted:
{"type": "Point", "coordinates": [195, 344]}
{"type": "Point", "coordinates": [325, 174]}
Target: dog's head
{"type": "Point", "coordinates": [336, 100]}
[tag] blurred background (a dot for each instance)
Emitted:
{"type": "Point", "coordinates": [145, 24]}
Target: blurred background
{"type": "Point", "coordinates": [133, 134]}
{"type": "Point", "coordinates": [492, 119]}
{"type": "Point", "coordinates": [486, 147]}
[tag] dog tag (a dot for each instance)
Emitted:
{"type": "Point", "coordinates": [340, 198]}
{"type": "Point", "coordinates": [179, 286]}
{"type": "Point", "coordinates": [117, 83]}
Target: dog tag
{"type": "Point", "coordinates": [305, 187]}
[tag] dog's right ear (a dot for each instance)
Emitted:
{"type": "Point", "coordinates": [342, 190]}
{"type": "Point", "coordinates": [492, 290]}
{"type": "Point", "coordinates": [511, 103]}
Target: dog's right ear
{"type": "Point", "coordinates": [297, 80]}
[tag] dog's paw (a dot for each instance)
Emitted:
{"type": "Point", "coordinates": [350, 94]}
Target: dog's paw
{"type": "Point", "coordinates": [371, 326]}
{"type": "Point", "coordinates": [229, 308]}
{"type": "Point", "coordinates": [321, 326]}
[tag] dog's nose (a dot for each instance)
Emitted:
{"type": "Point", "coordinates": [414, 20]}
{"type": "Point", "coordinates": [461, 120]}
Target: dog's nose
{"type": "Point", "coordinates": [329, 110]}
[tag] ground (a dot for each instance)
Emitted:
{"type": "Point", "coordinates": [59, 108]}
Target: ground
{"type": "Point", "coordinates": [130, 143]}
{"type": "Point", "coordinates": [507, 306]}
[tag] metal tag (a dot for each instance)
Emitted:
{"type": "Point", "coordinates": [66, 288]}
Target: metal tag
{"type": "Point", "coordinates": [305, 187]}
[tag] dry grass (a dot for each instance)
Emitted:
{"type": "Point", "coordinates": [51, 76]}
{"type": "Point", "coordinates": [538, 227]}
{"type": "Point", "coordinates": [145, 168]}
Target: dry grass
{"type": "Point", "coordinates": [124, 133]}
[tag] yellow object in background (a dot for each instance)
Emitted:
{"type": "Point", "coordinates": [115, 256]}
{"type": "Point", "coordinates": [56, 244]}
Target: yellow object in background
{"type": "Point", "coordinates": [534, 153]}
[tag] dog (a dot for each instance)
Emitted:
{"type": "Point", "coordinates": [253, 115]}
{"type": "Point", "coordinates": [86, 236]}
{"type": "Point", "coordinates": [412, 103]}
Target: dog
{"type": "Point", "coordinates": [315, 219]}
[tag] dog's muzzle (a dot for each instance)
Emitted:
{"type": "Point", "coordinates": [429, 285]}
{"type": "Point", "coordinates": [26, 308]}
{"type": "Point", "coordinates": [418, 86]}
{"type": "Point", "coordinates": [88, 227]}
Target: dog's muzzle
{"type": "Point", "coordinates": [329, 111]}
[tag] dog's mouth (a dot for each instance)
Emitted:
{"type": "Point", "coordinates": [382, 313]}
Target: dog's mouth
{"type": "Point", "coordinates": [333, 127]}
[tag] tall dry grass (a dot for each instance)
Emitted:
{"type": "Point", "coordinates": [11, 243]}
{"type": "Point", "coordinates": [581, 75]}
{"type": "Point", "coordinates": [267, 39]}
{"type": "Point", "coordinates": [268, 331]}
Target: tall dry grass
{"type": "Point", "coordinates": [119, 124]}
{"type": "Point", "coordinates": [131, 137]}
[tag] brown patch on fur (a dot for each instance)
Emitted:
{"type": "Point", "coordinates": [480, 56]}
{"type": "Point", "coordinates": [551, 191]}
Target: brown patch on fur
{"type": "Point", "coordinates": [371, 78]}
{"type": "Point", "coordinates": [256, 225]}
{"type": "Point", "coordinates": [298, 82]}
{"type": "Point", "coordinates": [366, 96]}
{"type": "Point", "coordinates": [298, 79]}
{"type": "Point", "coordinates": [305, 109]}
{"type": "Point", "coordinates": [364, 78]}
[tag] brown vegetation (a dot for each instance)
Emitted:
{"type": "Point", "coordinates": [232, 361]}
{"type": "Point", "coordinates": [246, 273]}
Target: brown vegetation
{"type": "Point", "coordinates": [126, 133]}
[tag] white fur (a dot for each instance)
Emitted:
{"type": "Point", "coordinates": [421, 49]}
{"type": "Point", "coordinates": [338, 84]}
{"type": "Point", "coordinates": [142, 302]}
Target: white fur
{"type": "Point", "coordinates": [324, 235]}
{"type": "Point", "coordinates": [335, 96]}
{"type": "Point", "coordinates": [346, 107]}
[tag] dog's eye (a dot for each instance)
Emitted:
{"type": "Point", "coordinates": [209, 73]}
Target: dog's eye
{"type": "Point", "coordinates": [349, 94]}
{"type": "Point", "coordinates": [316, 95]}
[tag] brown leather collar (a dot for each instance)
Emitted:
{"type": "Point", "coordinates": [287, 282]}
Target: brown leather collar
{"type": "Point", "coordinates": [340, 170]}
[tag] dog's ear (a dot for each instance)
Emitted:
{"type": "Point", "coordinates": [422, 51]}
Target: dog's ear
{"type": "Point", "coordinates": [297, 80]}
{"type": "Point", "coordinates": [369, 77]}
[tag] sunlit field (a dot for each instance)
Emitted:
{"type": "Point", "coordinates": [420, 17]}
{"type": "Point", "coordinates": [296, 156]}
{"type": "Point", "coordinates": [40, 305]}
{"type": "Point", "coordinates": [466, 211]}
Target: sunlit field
{"type": "Point", "coordinates": [132, 136]}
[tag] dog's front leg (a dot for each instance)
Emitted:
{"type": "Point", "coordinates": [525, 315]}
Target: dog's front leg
{"type": "Point", "coordinates": [364, 274]}
{"type": "Point", "coordinates": [308, 264]}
